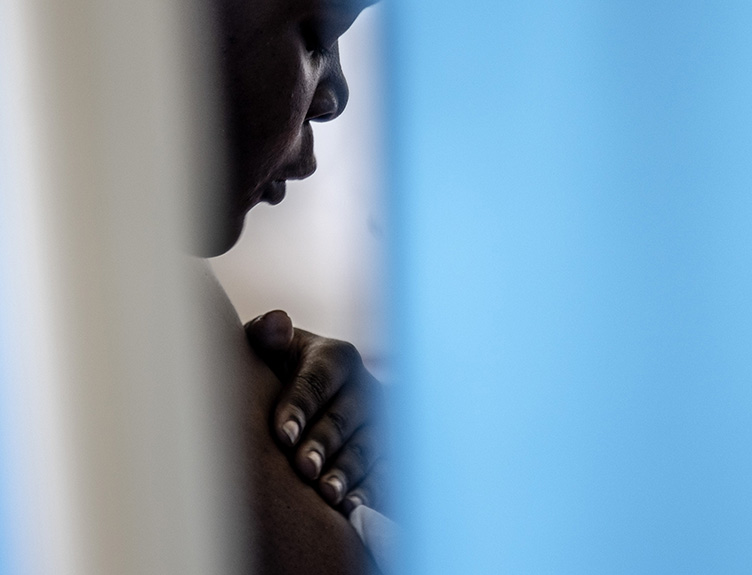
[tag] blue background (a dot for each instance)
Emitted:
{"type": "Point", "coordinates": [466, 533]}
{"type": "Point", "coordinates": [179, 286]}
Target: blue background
{"type": "Point", "coordinates": [572, 206]}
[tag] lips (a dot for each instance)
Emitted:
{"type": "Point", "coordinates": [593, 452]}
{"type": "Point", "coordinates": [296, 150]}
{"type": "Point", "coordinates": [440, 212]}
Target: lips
{"type": "Point", "coordinates": [305, 163]}
{"type": "Point", "coordinates": [301, 170]}
{"type": "Point", "coordinates": [274, 192]}
{"type": "Point", "coordinates": [302, 167]}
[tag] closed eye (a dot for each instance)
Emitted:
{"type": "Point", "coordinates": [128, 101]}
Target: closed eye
{"type": "Point", "coordinates": [313, 38]}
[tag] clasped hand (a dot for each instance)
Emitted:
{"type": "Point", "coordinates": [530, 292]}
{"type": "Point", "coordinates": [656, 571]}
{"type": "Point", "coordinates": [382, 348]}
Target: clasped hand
{"type": "Point", "coordinates": [328, 414]}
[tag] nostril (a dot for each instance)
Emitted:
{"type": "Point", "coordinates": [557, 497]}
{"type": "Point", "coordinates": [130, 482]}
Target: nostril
{"type": "Point", "coordinates": [325, 106]}
{"type": "Point", "coordinates": [330, 99]}
{"type": "Point", "coordinates": [327, 117]}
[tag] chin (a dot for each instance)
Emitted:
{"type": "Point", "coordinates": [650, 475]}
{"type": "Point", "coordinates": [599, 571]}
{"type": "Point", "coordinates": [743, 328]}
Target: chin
{"type": "Point", "coordinates": [218, 239]}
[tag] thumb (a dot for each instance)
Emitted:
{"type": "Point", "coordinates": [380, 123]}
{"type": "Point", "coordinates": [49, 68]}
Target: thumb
{"type": "Point", "coordinates": [270, 333]}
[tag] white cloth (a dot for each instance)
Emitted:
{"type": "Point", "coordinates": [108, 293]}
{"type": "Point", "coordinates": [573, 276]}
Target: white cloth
{"type": "Point", "coordinates": [378, 534]}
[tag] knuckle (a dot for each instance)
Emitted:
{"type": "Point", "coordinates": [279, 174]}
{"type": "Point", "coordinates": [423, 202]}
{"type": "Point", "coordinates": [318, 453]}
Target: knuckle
{"type": "Point", "coordinates": [313, 389]}
{"type": "Point", "coordinates": [361, 454]}
{"type": "Point", "coordinates": [341, 353]}
{"type": "Point", "coordinates": [347, 353]}
{"type": "Point", "coordinates": [375, 486]}
{"type": "Point", "coordinates": [339, 423]}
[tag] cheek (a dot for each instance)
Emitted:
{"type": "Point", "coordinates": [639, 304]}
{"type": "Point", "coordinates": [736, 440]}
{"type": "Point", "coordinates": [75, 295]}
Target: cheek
{"type": "Point", "coordinates": [269, 86]}
{"type": "Point", "coordinates": [276, 100]}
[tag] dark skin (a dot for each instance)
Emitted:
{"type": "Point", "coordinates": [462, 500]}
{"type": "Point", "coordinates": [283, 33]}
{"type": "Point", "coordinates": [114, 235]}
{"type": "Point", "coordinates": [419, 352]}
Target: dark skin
{"type": "Point", "coordinates": [332, 398]}
{"type": "Point", "coordinates": [293, 530]}
{"type": "Point", "coordinates": [280, 71]}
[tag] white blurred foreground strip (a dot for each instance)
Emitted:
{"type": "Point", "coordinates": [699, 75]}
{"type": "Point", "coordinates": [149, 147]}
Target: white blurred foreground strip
{"type": "Point", "coordinates": [115, 464]}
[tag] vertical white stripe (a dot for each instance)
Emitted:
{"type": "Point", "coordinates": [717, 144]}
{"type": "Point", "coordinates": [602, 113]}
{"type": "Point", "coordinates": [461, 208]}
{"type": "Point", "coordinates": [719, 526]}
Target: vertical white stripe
{"type": "Point", "coordinates": [114, 459]}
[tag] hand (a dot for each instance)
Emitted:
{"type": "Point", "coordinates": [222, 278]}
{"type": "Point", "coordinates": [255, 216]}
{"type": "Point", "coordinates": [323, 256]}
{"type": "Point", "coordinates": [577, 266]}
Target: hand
{"type": "Point", "coordinates": [328, 410]}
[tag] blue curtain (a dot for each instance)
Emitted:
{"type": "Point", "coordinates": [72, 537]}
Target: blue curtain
{"type": "Point", "coordinates": [572, 204]}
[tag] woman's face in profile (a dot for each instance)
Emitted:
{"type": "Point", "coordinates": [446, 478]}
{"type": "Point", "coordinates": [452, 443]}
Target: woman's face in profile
{"type": "Point", "coordinates": [280, 71]}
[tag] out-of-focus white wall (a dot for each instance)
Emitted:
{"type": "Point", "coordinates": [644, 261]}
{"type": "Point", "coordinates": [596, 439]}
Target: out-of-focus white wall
{"type": "Point", "coordinates": [115, 462]}
{"type": "Point", "coordinates": [318, 255]}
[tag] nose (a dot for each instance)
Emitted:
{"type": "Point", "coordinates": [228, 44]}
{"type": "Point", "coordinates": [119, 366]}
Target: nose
{"type": "Point", "coordinates": [331, 94]}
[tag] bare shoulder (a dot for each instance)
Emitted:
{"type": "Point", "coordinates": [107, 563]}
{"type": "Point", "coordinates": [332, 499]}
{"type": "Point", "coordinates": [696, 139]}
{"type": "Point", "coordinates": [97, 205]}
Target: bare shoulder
{"type": "Point", "coordinates": [293, 530]}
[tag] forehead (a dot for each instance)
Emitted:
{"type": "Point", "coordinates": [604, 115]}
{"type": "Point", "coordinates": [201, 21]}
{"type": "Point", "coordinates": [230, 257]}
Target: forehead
{"type": "Point", "coordinates": [248, 19]}
{"type": "Point", "coordinates": [334, 8]}
{"type": "Point", "coordinates": [346, 5]}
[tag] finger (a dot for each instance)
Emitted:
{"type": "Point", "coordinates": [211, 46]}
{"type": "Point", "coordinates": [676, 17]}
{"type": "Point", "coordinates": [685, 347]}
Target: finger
{"type": "Point", "coordinates": [341, 418]}
{"type": "Point", "coordinates": [372, 491]}
{"type": "Point", "coordinates": [270, 333]}
{"type": "Point", "coordinates": [324, 366]}
{"type": "Point", "coordinates": [351, 465]}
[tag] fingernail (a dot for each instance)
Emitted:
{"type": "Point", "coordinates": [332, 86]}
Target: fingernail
{"type": "Point", "coordinates": [351, 503]}
{"type": "Point", "coordinates": [312, 464]}
{"type": "Point", "coordinates": [333, 488]}
{"type": "Point", "coordinates": [291, 430]}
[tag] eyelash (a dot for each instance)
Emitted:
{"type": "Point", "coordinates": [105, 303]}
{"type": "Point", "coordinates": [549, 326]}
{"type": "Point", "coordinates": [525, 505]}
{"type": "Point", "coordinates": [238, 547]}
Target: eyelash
{"type": "Point", "coordinates": [313, 41]}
